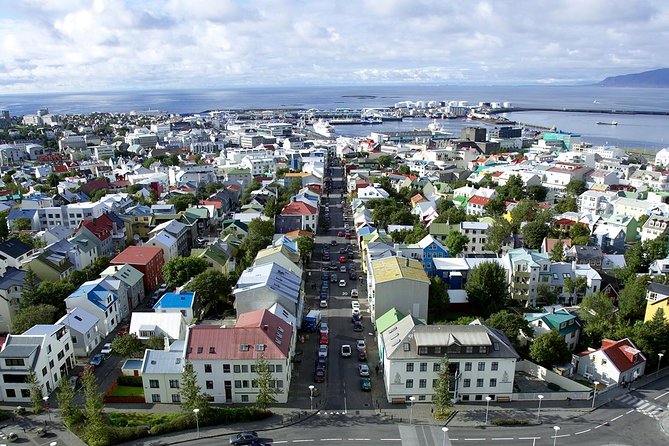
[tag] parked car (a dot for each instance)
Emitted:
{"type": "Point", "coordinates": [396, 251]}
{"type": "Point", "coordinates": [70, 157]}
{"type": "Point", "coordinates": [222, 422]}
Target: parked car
{"type": "Point", "coordinates": [342, 283]}
{"type": "Point", "coordinates": [345, 351]}
{"type": "Point", "coordinates": [356, 316]}
{"type": "Point", "coordinates": [323, 303]}
{"type": "Point", "coordinates": [325, 276]}
{"type": "Point", "coordinates": [355, 312]}
{"type": "Point", "coordinates": [97, 360]}
{"type": "Point", "coordinates": [350, 255]}
{"type": "Point", "coordinates": [333, 242]}
{"type": "Point", "coordinates": [106, 349]}
{"type": "Point", "coordinates": [362, 356]}
{"type": "Point", "coordinates": [340, 234]}
{"type": "Point", "coordinates": [353, 275]}
{"type": "Point", "coordinates": [334, 278]}
{"type": "Point", "coordinates": [342, 269]}
{"type": "Point", "coordinates": [354, 293]}
{"type": "Point", "coordinates": [365, 384]}
{"type": "Point", "coordinates": [363, 370]}
{"type": "Point", "coordinates": [321, 362]}
{"type": "Point", "coordinates": [357, 326]}
{"type": "Point", "coordinates": [342, 250]}
{"type": "Point", "coordinates": [323, 328]}
{"type": "Point", "coordinates": [243, 438]}
{"type": "Point", "coordinates": [355, 305]}
{"type": "Point", "coordinates": [342, 259]}
{"type": "Point", "coordinates": [360, 345]}
{"type": "Point", "coordinates": [322, 351]}
{"type": "Point", "coordinates": [319, 375]}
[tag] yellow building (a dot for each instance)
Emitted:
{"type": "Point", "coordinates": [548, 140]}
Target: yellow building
{"type": "Point", "coordinates": [657, 297]}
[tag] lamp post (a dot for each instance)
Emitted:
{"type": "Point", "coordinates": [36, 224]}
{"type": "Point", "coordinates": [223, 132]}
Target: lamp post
{"type": "Point", "coordinates": [53, 443]}
{"type": "Point", "coordinates": [487, 406]}
{"type": "Point", "coordinates": [541, 397]}
{"type": "Point", "coordinates": [659, 360]}
{"type": "Point", "coordinates": [46, 403]}
{"type": "Point", "coordinates": [444, 430]}
{"type": "Point", "coordinates": [412, 399]}
{"type": "Point", "coordinates": [311, 397]}
{"type": "Point", "coordinates": [556, 428]}
{"type": "Point", "coordinates": [594, 394]}
{"type": "Point", "coordinates": [197, 421]}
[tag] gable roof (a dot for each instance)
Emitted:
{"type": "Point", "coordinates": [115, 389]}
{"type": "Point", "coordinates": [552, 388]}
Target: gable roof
{"type": "Point", "coordinates": [298, 208]}
{"type": "Point", "coordinates": [78, 319]}
{"type": "Point", "coordinates": [623, 354]}
{"type": "Point", "coordinates": [14, 247]}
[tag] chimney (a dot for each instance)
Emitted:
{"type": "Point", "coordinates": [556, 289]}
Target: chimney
{"type": "Point", "coordinates": [167, 342]}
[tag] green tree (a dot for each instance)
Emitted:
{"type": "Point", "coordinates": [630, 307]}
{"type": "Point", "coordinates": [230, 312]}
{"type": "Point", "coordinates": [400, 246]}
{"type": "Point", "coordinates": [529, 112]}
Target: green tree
{"type": "Point", "coordinates": [525, 210]}
{"type": "Point", "coordinates": [438, 301]}
{"type": "Point", "coordinates": [30, 284]}
{"type": "Point", "coordinates": [534, 233]}
{"type": "Point", "coordinates": [487, 288]}
{"type": "Point", "coordinates": [579, 234]}
{"type": "Point", "coordinates": [35, 392]}
{"type": "Point", "coordinates": [180, 270]}
{"type": "Point", "coordinates": [385, 161]}
{"type": "Point", "coordinates": [557, 254]}
{"type": "Point", "coordinates": [576, 187]}
{"type": "Point", "coordinates": [404, 170]}
{"type": "Point", "coordinates": [567, 204]}
{"type": "Point", "coordinates": [442, 399]}
{"type": "Point", "coordinates": [52, 293]}
{"type": "Point", "coordinates": [599, 315]}
{"type": "Point", "coordinates": [4, 229]}
{"type": "Point", "coordinates": [96, 431]}
{"type": "Point", "coordinates": [155, 343]}
{"type": "Point", "coordinates": [537, 192]}
{"type": "Point", "coordinates": [549, 349]}
{"type": "Point", "coordinates": [632, 299]}
{"type": "Point", "coordinates": [306, 247]}
{"type": "Point", "coordinates": [191, 395]}
{"type": "Point", "coordinates": [455, 216]}
{"type": "Point", "coordinates": [417, 234]}
{"type": "Point", "coordinates": [30, 316]}
{"type": "Point", "coordinates": [515, 188]}
{"type": "Point", "coordinates": [266, 393]}
{"type": "Point", "coordinates": [511, 324]}
{"type": "Point", "coordinates": [70, 412]}
{"type": "Point", "coordinates": [271, 208]}
{"type": "Point", "coordinates": [260, 235]}
{"type": "Point", "coordinates": [545, 295]}
{"type": "Point", "coordinates": [21, 224]}
{"type": "Point", "coordinates": [127, 345]}
{"type": "Point", "coordinates": [574, 287]}
{"type": "Point", "coordinates": [495, 207]}
{"type": "Point", "coordinates": [456, 242]}
{"type": "Point", "coordinates": [183, 201]}
{"type": "Point", "coordinates": [499, 233]}
{"type": "Point", "coordinates": [294, 185]}
{"type": "Point", "coordinates": [213, 291]}
{"type": "Point", "coordinates": [52, 180]}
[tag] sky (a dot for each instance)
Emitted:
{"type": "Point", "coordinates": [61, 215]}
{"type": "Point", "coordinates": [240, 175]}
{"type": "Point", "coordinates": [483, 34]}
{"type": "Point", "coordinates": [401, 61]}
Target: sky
{"type": "Point", "coordinates": [99, 45]}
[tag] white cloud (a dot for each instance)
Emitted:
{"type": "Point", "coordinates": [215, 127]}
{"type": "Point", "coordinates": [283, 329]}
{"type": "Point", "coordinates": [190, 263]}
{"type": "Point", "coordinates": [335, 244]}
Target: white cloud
{"type": "Point", "coordinates": [106, 44]}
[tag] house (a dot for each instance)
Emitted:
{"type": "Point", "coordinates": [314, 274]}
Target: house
{"type": "Point", "coordinates": [297, 215]}
{"type": "Point", "coordinates": [657, 298]}
{"type": "Point", "coordinates": [281, 255]}
{"type": "Point", "coordinates": [146, 325]}
{"type": "Point", "coordinates": [656, 226]}
{"type": "Point", "coordinates": [481, 361]}
{"type": "Point", "coordinates": [659, 267]}
{"type": "Point", "coordinates": [101, 228]}
{"type": "Point", "coordinates": [83, 329]}
{"type": "Point", "coordinates": [383, 323]}
{"type": "Point", "coordinates": [476, 205]}
{"type": "Point", "coordinates": [45, 350]}
{"type": "Point", "coordinates": [565, 323]}
{"type": "Point", "coordinates": [161, 373]}
{"type": "Point", "coordinates": [609, 238]}
{"type": "Point", "coordinates": [148, 260]}
{"type": "Point", "coordinates": [167, 242]}
{"type": "Point", "coordinates": [616, 362]}
{"type": "Point", "coordinates": [100, 298]}
{"type": "Point", "coordinates": [372, 192]}
{"type": "Point", "coordinates": [180, 232]}
{"type": "Point", "coordinates": [527, 269]}
{"type": "Point", "coordinates": [477, 233]}
{"type": "Point", "coordinates": [260, 287]}
{"type": "Point", "coordinates": [225, 358]}
{"type": "Point", "coordinates": [590, 255]}
{"type": "Point", "coordinates": [14, 253]}
{"type": "Point", "coordinates": [131, 278]}
{"type": "Point", "coordinates": [218, 256]}
{"type": "Point", "coordinates": [51, 266]}
{"type": "Point", "coordinates": [173, 302]}
{"type": "Point", "coordinates": [396, 282]}
{"type": "Point", "coordinates": [11, 287]}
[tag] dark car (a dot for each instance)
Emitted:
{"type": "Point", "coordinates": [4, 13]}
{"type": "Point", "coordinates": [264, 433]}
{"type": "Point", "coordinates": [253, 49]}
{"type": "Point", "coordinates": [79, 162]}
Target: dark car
{"type": "Point", "coordinates": [333, 242]}
{"type": "Point", "coordinates": [326, 256]}
{"type": "Point", "coordinates": [320, 362]}
{"type": "Point", "coordinates": [365, 384]}
{"type": "Point", "coordinates": [357, 326]}
{"type": "Point", "coordinates": [244, 438]}
{"type": "Point", "coordinates": [333, 265]}
{"type": "Point", "coordinates": [333, 278]}
{"type": "Point", "coordinates": [325, 277]}
{"type": "Point", "coordinates": [349, 255]}
{"type": "Point", "coordinates": [340, 234]}
{"type": "Point", "coordinates": [353, 275]}
{"type": "Point", "coordinates": [342, 259]}
{"type": "Point", "coordinates": [319, 375]}
{"type": "Point", "coordinates": [97, 360]}
{"type": "Point", "coordinates": [362, 356]}
{"type": "Point", "coordinates": [356, 317]}
{"type": "Point", "coordinates": [325, 286]}
{"type": "Point", "coordinates": [324, 295]}
{"type": "Point", "coordinates": [342, 250]}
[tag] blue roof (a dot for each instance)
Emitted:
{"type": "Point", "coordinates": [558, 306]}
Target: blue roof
{"type": "Point", "coordinates": [95, 293]}
{"type": "Point", "coordinates": [175, 300]}
{"type": "Point", "coordinates": [365, 230]}
{"type": "Point", "coordinates": [21, 213]}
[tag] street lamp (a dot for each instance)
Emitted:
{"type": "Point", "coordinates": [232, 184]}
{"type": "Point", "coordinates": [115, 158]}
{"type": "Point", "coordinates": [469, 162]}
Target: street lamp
{"type": "Point", "coordinates": [53, 443]}
{"type": "Point", "coordinates": [660, 355]}
{"type": "Point", "coordinates": [46, 403]}
{"type": "Point", "coordinates": [444, 430]}
{"type": "Point", "coordinates": [311, 397]}
{"type": "Point", "coordinates": [487, 406]}
{"type": "Point", "coordinates": [412, 399]}
{"type": "Point", "coordinates": [594, 394]}
{"type": "Point", "coordinates": [557, 428]}
{"type": "Point", "coordinates": [541, 397]}
{"type": "Point", "coordinates": [197, 421]}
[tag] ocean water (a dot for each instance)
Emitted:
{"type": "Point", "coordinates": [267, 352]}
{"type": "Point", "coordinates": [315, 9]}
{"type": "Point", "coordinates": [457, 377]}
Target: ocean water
{"type": "Point", "coordinates": [633, 131]}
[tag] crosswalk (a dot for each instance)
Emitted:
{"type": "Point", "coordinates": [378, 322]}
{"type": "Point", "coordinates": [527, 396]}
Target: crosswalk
{"type": "Point", "coordinates": [642, 406]}
{"type": "Point", "coordinates": [423, 435]}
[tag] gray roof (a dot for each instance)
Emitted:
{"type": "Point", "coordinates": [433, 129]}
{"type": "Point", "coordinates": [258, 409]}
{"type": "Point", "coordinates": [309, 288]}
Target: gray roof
{"type": "Point", "coordinates": [162, 361]}
{"type": "Point", "coordinates": [12, 277]}
{"type": "Point", "coordinates": [79, 320]}
{"type": "Point", "coordinates": [18, 351]}
{"type": "Point", "coordinates": [658, 288]}
{"type": "Point", "coordinates": [42, 330]}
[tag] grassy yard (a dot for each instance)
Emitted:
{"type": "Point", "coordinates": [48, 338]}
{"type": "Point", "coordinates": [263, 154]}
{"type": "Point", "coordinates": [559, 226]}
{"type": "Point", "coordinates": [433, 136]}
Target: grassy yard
{"type": "Point", "coordinates": [128, 391]}
{"type": "Point", "coordinates": [121, 419]}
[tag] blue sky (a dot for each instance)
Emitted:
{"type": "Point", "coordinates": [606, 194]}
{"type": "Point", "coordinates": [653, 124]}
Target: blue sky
{"type": "Point", "coordinates": [77, 45]}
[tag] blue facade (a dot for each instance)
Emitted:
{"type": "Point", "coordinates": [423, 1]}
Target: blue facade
{"type": "Point", "coordinates": [430, 252]}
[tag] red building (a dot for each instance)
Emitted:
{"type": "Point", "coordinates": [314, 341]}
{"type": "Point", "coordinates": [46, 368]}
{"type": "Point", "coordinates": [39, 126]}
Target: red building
{"type": "Point", "coordinates": [147, 259]}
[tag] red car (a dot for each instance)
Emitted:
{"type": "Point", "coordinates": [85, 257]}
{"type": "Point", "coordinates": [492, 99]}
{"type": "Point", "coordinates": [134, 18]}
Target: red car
{"type": "Point", "coordinates": [324, 340]}
{"type": "Point", "coordinates": [342, 259]}
{"type": "Point", "coordinates": [340, 234]}
{"type": "Point", "coordinates": [319, 376]}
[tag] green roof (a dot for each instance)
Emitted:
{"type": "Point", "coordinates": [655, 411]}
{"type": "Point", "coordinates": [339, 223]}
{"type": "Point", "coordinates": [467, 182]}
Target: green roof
{"type": "Point", "coordinates": [553, 321]}
{"type": "Point", "coordinates": [197, 212]}
{"type": "Point", "coordinates": [440, 229]}
{"type": "Point", "coordinates": [388, 319]}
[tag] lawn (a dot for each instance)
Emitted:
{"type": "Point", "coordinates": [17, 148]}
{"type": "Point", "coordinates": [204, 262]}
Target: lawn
{"type": "Point", "coordinates": [128, 391]}
{"type": "Point", "coordinates": [122, 419]}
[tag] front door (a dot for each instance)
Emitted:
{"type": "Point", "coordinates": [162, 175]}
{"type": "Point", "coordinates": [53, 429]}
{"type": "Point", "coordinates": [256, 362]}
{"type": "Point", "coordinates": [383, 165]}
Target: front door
{"type": "Point", "coordinates": [228, 391]}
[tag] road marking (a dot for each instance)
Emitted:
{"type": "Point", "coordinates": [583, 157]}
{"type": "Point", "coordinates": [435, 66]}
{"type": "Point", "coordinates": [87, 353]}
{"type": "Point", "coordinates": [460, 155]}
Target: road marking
{"type": "Point", "coordinates": [474, 439]}
{"type": "Point", "coordinates": [629, 411]}
{"type": "Point", "coordinates": [529, 438]}
{"type": "Point", "coordinates": [280, 441]}
{"type": "Point", "coordinates": [614, 419]}
{"type": "Point", "coordinates": [358, 439]}
{"type": "Point", "coordinates": [390, 439]}
{"type": "Point", "coordinates": [502, 438]}
{"type": "Point", "coordinates": [300, 441]}
{"type": "Point", "coordinates": [597, 427]}
{"type": "Point", "coordinates": [331, 439]}
{"type": "Point", "coordinates": [658, 397]}
{"type": "Point", "coordinates": [561, 436]}
{"type": "Point", "coordinates": [582, 432]}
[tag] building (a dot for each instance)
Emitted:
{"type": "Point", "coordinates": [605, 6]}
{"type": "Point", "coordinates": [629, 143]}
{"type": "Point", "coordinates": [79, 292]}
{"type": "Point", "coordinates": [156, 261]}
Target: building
{"type": "Point", "coordinates": [131, 278]}
{"type": "Point", "coordinates": [161, 374]}
{"type": "Point", "coordinates": [560, 320]}
{"type": "Point", "coordinates": [657, 298]}
{"type": "Point", "coordinates": [182, 303]}
{"type": "Point", "coordinates": [476, 205]}
{"type": "Point", "coordinates": [656, 226]}
{"type": "Point", "coordinates": [616, 362]}
{"type": "Point", "coordinates": [225, 358]}
{"type": "Point", "coordinates": [527, 269]}
{"type": "Point", "coordinates": [477, 233]}
{"type": "Point", "coordinates": [14, 253]}
{"type": "Point", "coordinates": [11, 287]}
{"type": "Point", "coordinates": [297, 215]}
{"type": "Point", "coordinates": [396, 282]}
{"type": "Point", "coordinates": [84, 332]}
{"type": "Point", "coordinates": [146, 325]}
{"type": "Point", "coordinates": [100, 298]}
{"type": "Point", "coordinates": [148, 260]}
{"type": "Point", "coordinates": [45, 350]}
{"type": "Point", "coordinates": [482, 361]}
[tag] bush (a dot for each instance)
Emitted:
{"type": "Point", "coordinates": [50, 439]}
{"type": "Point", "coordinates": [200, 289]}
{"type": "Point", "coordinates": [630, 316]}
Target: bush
{"type": "Point", "coordinates": [442, 414]}
{"type": "Point", "coordinates": [130, 381]}
{"type": "Point", "coordinates": [5, 415]}
{"type": "Point", "coordinates": [225, 415]}
{"type": "Point", "coordinates": [20, 410]}
{"type": "Point", "coordinates": [181, 423]}
{"type": "Point", "coordinates": [134, 419]}
{"type": "Point", "coordinates": [509, 422]}
{"type": "Point", "coordinates": [124, 434]}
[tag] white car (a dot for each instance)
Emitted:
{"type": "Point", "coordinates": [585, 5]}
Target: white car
{"type": "Point", "coordinates": [106, 349]}
{"type": "Point", "coordinates": [345, 351]}
{"type": "Point", "coordinates": [323, 351]}
{"type": "Point", "coordinates": [355, 311]}
{"type": "Point", "coordinates": [363, 370]}
{"type": "Point", "coordinates": [342, 283]}
{"type": "Point", "coordinates": [360, 345]}
{"type": "Point", "coordinates": [323, 303]}
{"type": "Point", "coordinates": [355, 305]}
{"type": "Point", "coordinates": [324, 328]}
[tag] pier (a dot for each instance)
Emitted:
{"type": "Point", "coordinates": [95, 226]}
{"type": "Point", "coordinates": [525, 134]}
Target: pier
{"type": "Point", "coordinates": [579, 110]}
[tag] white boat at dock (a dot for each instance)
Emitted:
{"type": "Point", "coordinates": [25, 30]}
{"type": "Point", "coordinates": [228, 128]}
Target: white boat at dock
{"type": "Point", "coordinates": [607, 123]}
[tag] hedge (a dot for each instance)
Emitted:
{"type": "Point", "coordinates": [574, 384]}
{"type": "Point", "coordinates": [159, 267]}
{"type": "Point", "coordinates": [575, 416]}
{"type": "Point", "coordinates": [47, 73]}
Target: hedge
{"type": "Point", "coordinates": [509, 422]}
{"type": "Point", "coordinates": [130, 381]}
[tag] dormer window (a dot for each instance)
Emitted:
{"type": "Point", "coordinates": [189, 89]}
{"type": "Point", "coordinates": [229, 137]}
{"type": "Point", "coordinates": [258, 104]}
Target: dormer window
{"type": "Point", "coordinates": [243, 347]}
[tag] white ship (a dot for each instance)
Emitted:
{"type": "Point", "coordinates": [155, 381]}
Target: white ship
{"type": "Point", "coordinates": [324, 128]}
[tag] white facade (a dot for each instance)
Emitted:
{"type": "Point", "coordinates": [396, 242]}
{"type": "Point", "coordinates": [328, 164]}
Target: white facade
{"type": "Point", "coordinates": [654, 227]}
{"type": "Point", "coordinates": [477, 233]}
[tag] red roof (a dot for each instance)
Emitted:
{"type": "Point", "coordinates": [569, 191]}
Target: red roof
{"type": "Point", "coordinates": [60, 168]}
{"type": "Point", "coordinates": [233, 187]}
{"type": "Point", "coordinates": [477, 199]}
{"type": "Point", "coordinates": [298, 208]}
{"type": "Point", "coordinates": [565, 221]}
{"type": "Point", "coordinates": [137, 255]}
{"type": "Point", "coordinates": [257, 333]}
{"type": "Point", "coordinates": [102, 226]}
{"type": "Point", "coordinates": [623, 353]}
{"type": "Point", "coordinates": [217, 204]}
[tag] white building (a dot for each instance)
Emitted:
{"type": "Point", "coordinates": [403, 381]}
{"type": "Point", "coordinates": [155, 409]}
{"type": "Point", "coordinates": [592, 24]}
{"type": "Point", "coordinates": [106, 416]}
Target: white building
{"type": "Point", "coordinates": [477, 233]}
{"type": "Point", "coordinates": [100, 298]}
{"type": "Point", "coordinates": [616, 362]}
{"type": "Point", "coordinates": [662, 158]}
{"type": "Point", "coordinates": [654, 227]}
{"type": "Point", "coordinates": [161, 374]}
{"type": "Point", "coordinates": [146, 325]}
{"type": "Point", "coordinates": [83, 328]}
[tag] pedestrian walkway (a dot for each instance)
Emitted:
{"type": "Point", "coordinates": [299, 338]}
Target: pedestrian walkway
{"type": "Point", "coordinates": [641, 406]}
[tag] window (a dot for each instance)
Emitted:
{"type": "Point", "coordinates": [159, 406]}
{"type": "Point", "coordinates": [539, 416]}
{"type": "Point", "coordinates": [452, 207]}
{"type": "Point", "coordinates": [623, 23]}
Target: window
{"type": "Point", "coordinates": [11, 393]}
{"type": "Point", "coordinates": [279, 368]}
{"type": "Point", "coordinates": [74, 339]}
{"type": "Point", "coordinates": [25, 393]}
{"type": "Point", "coordinates": [468, 366]}
{"type": "Point", "coordinates": [493, 382]}
{"type": "Point", "coordinates": [238, 384]}
{"type": "Point", "coordinates": [209, 384]}
{"type": "Point", "coordinates": [237, 368]}
{"type": "Point", "coordinates": [176, 398]}
{"type": "Point", "coordinates": [409, 384]}
{"type": "Point", "coordinates": [174, 383]}
{"type": "Point", "coordinates": [207, 368]}
{"type": "Point", "coordinates": [421, 397]}
{"type": "Point", "coordinates": [226, 368]}
{"type": "Point", "coordinates": [437, 350]}
{"type": "Point", "coordinates": [483, 349]}
{"type": "Point", "coordinates": [245, 398]}
{"type": "Point", "coordinates": [436, 367]}
{"type": "Point", "coordinates": [253, 368]}
{"type": "Point", "coordinates": [13, 362]}
{"type": "Point", "coordinates": [245, 384]}
{"type": "Point", "coordinates": [469, 349]}
{"type": "Point", "coordinates": [245, 368]}
{"type": "Point", "coordinates": [422, 350]}
{"type": "Point", "coordinates": [422, 383]}
{"type": "Point", "coordinates": [409, 366]}
{"type": "Point", "coordinates": [423, 366]}
{"type": "Point", "coordinates": [494, 366]}
{"type": "Point", "coordinates": [212, 350]}
{"type": "Point", "coordinates": [407, 347]}
{"type": "Point", "coordinates": [481, 366]}
{"type": "Point", "coordinates": [466, 382]}
{"type": "Point", "coordinates": [155, 398]}
{"type": "Point", "coordinates": [44, 371]}
{"type": "Point", "coordinates": [479, 382]}
{"type": "Point", "coordinates": [153, 383]}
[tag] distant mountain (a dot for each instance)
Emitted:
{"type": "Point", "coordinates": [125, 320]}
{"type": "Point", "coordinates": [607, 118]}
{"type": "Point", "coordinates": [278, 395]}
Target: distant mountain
{"type": "Point", "coordinates": [654, 78]}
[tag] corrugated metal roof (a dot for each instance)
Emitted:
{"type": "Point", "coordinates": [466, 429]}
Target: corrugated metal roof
{"type": "Point", "coordinates": [394, 268]}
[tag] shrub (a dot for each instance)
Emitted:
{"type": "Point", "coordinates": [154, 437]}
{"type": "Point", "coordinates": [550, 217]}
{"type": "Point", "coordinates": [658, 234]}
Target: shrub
{"type": "Point", "coordinates": [225, 415]}
{"type": "Point", "coordinates": [509, 422]}
{"type": "Point", "coordinates": [5, 414]}
{"type": "Point", "coordinates": [130, 381]}
{"type": "Point", "coordinates": [124, 434]}
{"type": "Point", "coordinates": [20, 410]}
{"type": "Point", "coordinates": [181, 423]}
{"type": "Point", "coordinates": [442, 414]}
